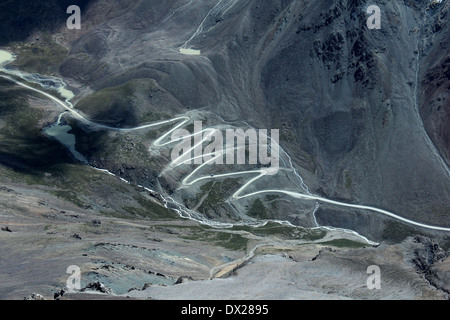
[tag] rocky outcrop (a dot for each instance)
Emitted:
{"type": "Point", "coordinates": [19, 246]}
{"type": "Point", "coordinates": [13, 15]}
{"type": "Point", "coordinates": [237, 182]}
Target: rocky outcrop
{"type": "Point", "coordinates": [58, 295]}
{"type": "Point", "coordinates": [183, 279]}
{"type": "Point", "coordinates": [432, 262]}
{"type": "Point", "coordinates": [439, 275]}
{"type": "Point", "coordinates": [97, 287]}
{"type": "Point", "coordinates": [96, 223]}
{"type": "Point", "coordinates": [322, 252]}
{"type": "Point", "coordinates": [6, 229]}
{"type": "Point", "coordinates": [34, 296]}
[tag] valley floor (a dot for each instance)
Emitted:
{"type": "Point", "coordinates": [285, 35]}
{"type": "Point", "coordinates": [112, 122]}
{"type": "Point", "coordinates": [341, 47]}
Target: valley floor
{"type": "Point", "coordinates": [179, 259]}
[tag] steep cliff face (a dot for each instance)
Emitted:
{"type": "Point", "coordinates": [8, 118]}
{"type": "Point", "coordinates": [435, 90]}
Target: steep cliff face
{"type": "Point", "coordinates": [432, 262]}
{"type": "Point", "coordinates": [363, 113]}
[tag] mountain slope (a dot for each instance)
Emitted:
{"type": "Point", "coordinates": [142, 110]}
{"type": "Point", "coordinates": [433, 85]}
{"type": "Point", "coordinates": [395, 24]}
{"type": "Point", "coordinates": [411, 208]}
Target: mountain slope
{"type": "Point", "coordinates": [351, 103]}
{"type": "Point", "coordinates": [347, 99]}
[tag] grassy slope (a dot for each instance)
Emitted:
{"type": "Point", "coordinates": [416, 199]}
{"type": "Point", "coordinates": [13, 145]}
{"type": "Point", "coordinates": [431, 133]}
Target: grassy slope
{"type": "Point", "coordinates": [43, 56]}
{"type": "Point", "coordinates": [122, 105]}
{"type": "Point", "coordinates": [28, 157]}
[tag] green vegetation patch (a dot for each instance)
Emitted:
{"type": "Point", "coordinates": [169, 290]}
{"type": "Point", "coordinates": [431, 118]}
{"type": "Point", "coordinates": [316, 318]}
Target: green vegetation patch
{"type": "Point", "coordinates": [344, 243]}
{"type": "Point", "coordinates": [258, 210]}
{"type": "Point", "coordinates": [28, 156]}
{"type": "Point", "coordinates": [445, 244]}
{"type": "Point", "coordinates": [111, 148]}
{"type": "Point", "coordinates": [227, 240]}
{"type": "Point", "coordinates": [23, 146]}
{"type": "Point", "coordinates": [214, 194]}
{"type": "Point", "coordinates": [348, 181]}
{"type": "Point", "coordinates": [44, 56]}
{"type": "Point", "coordinates": [397, 232]}
{"type": "Point", "coordinates": [118, 105]}
{"type": "Point", "coordinates": [284, 232]}
{"type": "Point", "coordinates": [151, 209]}
{"type": "Point", "coordinates": [69, 196]}
{"type": "Point", "coordinates": [155, 133]}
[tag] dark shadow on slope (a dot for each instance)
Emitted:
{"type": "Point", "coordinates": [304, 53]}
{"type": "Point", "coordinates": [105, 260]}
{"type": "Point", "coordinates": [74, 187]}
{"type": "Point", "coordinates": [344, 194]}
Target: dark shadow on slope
{"type": "Point", "coordinates": [23, 146]}
{"type": "Point", "coordinates": [20, 18]}
{"type": "Point", "coordinates": [33, 154]}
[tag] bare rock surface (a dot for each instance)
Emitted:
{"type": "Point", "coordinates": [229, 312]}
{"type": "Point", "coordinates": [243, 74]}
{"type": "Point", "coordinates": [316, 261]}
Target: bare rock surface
{"type": "Point", "coordinates": [332, 274]}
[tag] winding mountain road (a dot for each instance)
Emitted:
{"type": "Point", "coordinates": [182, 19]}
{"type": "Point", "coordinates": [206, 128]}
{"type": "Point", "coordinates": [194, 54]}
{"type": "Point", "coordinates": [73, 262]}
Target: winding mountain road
{"type": "Point", "coordinates": [181, 122]}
